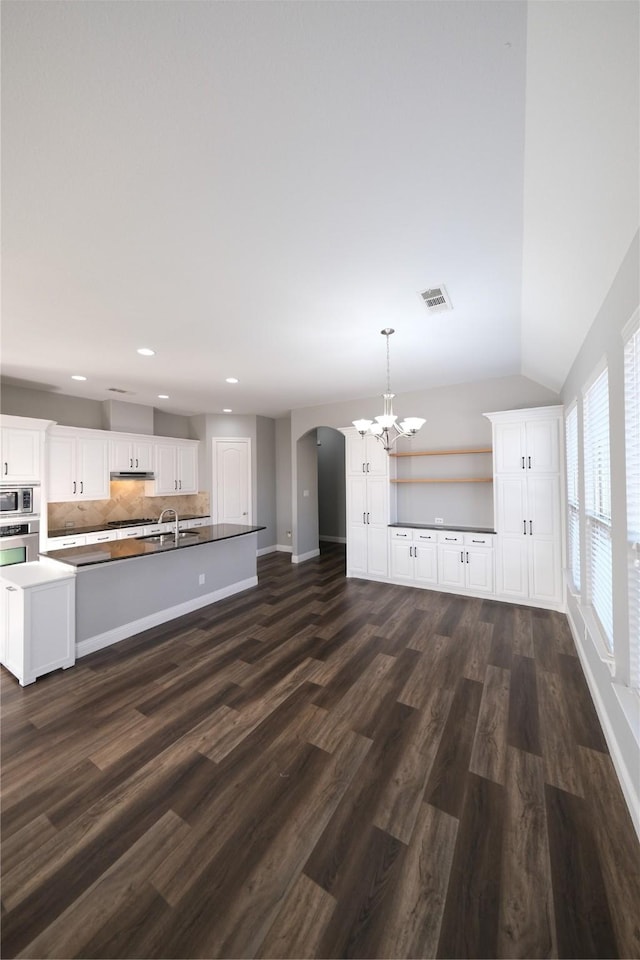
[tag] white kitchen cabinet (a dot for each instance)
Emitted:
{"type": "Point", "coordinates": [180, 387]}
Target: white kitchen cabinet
{"type": "Point", "coordinates": [528, 504]}
{"type": "Point", "coordinates": [20, 455]}
{"type": "Point", "coordinates": [367, 519]}
{"type": "Point", "coordinates": [131, 454]}
{"type": "Point", "coordinates": [195, 522]}
{"type": "Point", "coordinates": [414, 555]}
{"type": "Point", "coordinates": [529, 444]}
{"type": "Point", "coordinates": [38, 621]}
{"type": "Point", "coordinates": [466, 564]}
{"type": "Point", "coordinates": [365, 455]}
{"type": "Point", "coordinates": [175, 468]}
{"type": "Point", "coordinates": [78, 465]}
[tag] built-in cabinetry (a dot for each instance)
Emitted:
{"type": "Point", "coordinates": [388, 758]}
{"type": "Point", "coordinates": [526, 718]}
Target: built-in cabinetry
{"type": "Point", "coordinates": [528, 504]}
{"type": "Point", "coordinates": [123, 533]}
{"type": "Point", "coordinates": [78, 464]}
{"type": "Point", "coordinates": [126, 453]}
{"type": "Point", "coordinates": [176, 468]}
{"type": "Point", "coordinates": [37, 629]}
{"type": "Point", "coordinates": [447, 559]}
{"type": "Point", "coordinates": [414, 555]}
{"type": "Point", "coordinates": [367, 479]}
{"type": "Point", "coordinates": [21, 445]}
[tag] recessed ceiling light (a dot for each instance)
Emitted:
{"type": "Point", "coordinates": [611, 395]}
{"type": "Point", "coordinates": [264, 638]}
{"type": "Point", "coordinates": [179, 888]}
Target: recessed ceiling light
{"type": "Point", "coordinates": [163, 396]}
{"type": "Point", "coordinates": [232, 380]}
{"type": "Point", "coordinates": [146, 352]}
{"type": "Point", "coordinates": [227, 410]}
{"type": "Point", "coordinates": [77, 376]}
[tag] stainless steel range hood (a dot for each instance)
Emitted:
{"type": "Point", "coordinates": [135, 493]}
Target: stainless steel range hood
{"type": "Point", "coordinates": [132, 475]}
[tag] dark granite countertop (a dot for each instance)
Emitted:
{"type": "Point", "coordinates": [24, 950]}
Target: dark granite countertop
{"type": "Point", "coordinates": [132, 548]}
{"type": "Point", "coordinates": [459, 528]}
{"type": "Point", "coordinates": [97, 527]}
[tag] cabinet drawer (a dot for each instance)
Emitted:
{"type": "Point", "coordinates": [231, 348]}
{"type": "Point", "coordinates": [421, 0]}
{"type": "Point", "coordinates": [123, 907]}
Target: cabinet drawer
{"type": "Point", "coordinates": [401, 534]}
{"type": "Point", "coordinates": [60, 543]}
{"type": "Point", "coordinates": [428, 536]}
{"type": "Point", "coordinates": [100, 536]}
{"type": "Point", "coordinates": [449, 536]}
{"type": "Point", "coordinates": [479, 539]}
{"type": "Point", "coordinates": [129, 532]}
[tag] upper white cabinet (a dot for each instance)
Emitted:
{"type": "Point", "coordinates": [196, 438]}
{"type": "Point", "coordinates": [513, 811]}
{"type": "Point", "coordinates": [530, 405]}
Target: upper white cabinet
{"type": "Point", "coordinates": [175, 467]}
{"type": "Point", "coordinates": [131, 453]}
{"type": "Point", "coordinates": [21, 444]}
{"type": "Point", "coordinates": [530, 445]}
{"type": "Point", "coordinates": [78, 464]}
{"type": "Point", "coordinates": [528, 504]}
{"type": "Point", "coordinates": [365, 456]}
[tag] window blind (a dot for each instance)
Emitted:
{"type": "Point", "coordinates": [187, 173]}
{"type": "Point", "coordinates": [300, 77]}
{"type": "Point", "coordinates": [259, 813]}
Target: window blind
{"type": "Point", "coordinates": [573, 496]}
{"type": "Point", "coordinates": [597, 471]}
{"type": "Point", "coordinates": [632, 441]}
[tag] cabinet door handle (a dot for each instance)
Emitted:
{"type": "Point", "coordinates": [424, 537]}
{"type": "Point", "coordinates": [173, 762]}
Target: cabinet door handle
{"type": "Point", "coordinates": [363, 468]}
{"type": "Point", "coordinates": [368, 467]}
{"type": "Point", "coordinates": [451, 538]}
{"type": "Point", "coordinates": [402, 534]}
{"type": "Point", "coordinates": [531, 527]}
{"type": "Point", "coordinates": [136, 463]}
{"type": "Point", "coordinates": [6, 471]}
{"type": "Point", "coordinates": [82, 486]}
{"type": "Point", "coordinates": [478, 541]}
{"type": "Point", "coordinates": [461, 556]}
{"type": "Point", "coordinates": [74, 486]}
{"type": "Point", "coordinates": [364, 518]}
{"type": "Point", "coordinates": [524, 523]}
{"type": "Point", "coordinates": [175, 484]}
{"type": "Point", "coordinates": [131, 463]}
{"type": "Point", "coordinates": [523, 463]}
{"type": "Point", "coordinates": [368, 521]}
{"type": "Point", "coordinates": [180, 484]}
{"type": "Point", "coordinates": [529, 463]}
{"type": "Point", "coordinates": [467, 556]}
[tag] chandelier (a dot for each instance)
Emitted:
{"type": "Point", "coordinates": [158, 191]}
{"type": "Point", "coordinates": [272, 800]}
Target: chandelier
{"type": "Point", "coordinates": [385, 429]}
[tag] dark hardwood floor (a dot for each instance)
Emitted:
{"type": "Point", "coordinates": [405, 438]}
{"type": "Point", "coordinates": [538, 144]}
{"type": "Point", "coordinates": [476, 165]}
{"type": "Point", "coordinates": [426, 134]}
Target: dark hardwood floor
{"type": "Point", "coordinates": [318, 767]}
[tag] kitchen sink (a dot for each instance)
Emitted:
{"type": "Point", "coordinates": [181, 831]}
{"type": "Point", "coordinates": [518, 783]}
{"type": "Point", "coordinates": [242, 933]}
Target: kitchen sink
{"type": "Point", "coordinates": [170, 537]}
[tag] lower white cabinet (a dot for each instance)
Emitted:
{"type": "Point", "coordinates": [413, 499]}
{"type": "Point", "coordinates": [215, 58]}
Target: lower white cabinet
{"type": "Point", "coordinates": [444, 558]}
{"type": "Point", "coordinates": [466, 564]}
{"type": "Point", "coordinates": [195, 522]}
{"type": "Point", "coordinates": [38, 621]}
{"type": "Point", "coordinates": [61, 543]}
{"type": "Point", "coordinates": [367, 530]}
{"type": "Point", "coordinates": [414, 555]}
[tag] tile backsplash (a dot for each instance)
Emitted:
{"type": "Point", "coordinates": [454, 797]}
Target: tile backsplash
{"type": "Point", "coordinates": [128, 502]}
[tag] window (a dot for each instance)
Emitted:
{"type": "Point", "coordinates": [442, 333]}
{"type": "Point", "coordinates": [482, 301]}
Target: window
{"type": "Point", "coordinates": [597, 472]}
{"type": "Point", "coordinates": [573, 497]}
{"type": "Point", "coordinates": [632, 440]}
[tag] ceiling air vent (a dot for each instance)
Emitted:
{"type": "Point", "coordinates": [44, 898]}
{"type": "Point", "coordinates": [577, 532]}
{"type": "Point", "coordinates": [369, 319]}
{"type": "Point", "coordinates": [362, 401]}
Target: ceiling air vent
{"type": "Point", "coordinates": [436, 299]}
{"type": "Point", "coordinates": [118, 390]}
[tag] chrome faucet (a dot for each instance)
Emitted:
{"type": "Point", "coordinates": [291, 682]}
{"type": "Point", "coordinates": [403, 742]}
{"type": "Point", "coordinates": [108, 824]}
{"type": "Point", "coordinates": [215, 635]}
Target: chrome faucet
{"type": "Point", "coordinates": [177, 522]}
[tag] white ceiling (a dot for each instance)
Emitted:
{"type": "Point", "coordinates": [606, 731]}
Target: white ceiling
{"type": "Point", "coordinates": [255, 189]}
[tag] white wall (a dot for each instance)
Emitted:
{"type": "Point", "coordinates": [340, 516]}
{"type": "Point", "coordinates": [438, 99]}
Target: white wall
{"type": "Point", "coordinates": [283, 483]}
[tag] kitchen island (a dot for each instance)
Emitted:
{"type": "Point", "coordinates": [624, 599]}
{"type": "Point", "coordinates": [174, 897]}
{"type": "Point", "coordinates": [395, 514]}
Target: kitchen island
{"type": "Point", "coordinates": [126, 586]}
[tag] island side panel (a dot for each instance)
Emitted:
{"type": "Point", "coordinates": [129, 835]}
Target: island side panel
{"type": "Point", "coordinates": [118, 599]}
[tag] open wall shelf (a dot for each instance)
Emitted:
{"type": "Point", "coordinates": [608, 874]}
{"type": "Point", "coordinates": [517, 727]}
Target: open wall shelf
{"type": "Point", "coordinates": [446, 480]}
{"type": "Point", "coordinates": [441, 453]}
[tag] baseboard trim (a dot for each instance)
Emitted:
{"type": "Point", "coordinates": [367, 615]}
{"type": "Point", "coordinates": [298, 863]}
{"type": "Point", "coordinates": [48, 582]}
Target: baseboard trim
{"type": "Point", "coordinates": [332, 539]}
{"type": "Point", "coordinates": [263, 551]}
{"type": "Point", "coordinates": [301, 557]}
{"type": "Point", "coordinates": [282, 548]}
{"type": "Point", "coordinates": [106, 639]}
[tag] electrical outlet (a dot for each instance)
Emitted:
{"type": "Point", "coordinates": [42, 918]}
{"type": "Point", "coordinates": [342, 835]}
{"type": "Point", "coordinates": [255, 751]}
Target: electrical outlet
{"type": "Point", "coordinates": [438, 520]}
{"type": "Point", "coordinates": [289, 534]}
{"type": "Point", "coordinates": [201, 579]}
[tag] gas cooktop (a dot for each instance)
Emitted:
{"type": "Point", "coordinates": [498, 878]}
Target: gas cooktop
{"type": "Point", "coordinates": [131, 523]}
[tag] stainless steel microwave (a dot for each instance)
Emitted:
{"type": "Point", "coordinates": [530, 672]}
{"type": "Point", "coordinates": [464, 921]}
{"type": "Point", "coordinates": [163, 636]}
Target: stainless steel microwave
{"type": "Point", "coordinates": [17, 501]}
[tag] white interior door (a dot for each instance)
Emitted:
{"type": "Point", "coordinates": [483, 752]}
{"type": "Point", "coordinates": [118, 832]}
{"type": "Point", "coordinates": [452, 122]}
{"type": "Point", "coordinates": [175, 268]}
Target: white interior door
{"type": "Point", "coordinates": [232, 480]}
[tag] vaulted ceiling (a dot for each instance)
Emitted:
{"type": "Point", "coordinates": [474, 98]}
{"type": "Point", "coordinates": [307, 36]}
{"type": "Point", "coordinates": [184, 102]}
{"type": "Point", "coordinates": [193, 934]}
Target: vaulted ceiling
{"type": "Point", "coordinates": [255, 189]}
